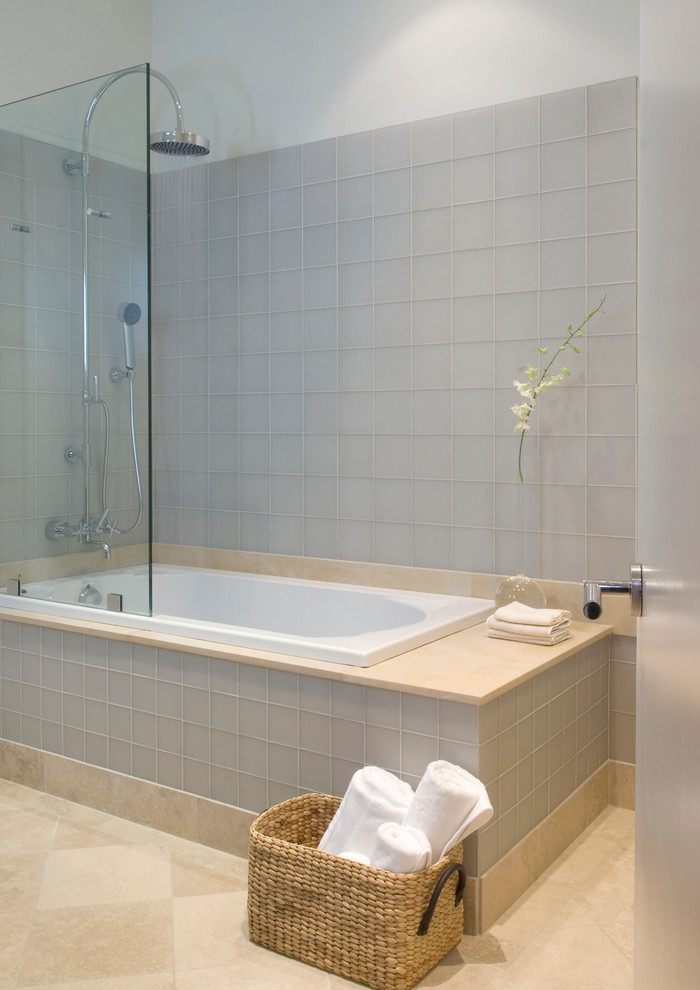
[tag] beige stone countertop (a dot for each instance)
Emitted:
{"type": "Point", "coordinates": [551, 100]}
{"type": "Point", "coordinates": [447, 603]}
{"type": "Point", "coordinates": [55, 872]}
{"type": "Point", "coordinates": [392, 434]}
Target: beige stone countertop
{"type": "Point", "coordinates": [466, 666]}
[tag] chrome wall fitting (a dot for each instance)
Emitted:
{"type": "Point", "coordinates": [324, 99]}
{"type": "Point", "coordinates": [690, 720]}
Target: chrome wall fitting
{"type": "Point", "coordinates": [57, 529]}
{"type": "Point", "coordinates": [593, 591]}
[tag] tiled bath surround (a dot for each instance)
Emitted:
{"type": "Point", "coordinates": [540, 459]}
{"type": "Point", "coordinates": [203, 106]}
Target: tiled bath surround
{"type": "Point", "coordinates": [251, 737]}
{"type": "Point", "coordinates": [623, 698]}
{"type": "Point", "coordinates": [337, 326]}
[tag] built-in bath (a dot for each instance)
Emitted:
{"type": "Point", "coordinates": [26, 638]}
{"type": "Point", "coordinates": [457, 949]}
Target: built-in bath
{"type": "Point", "coordinates": [341, 623]}
{"type": "Point", "coordinates": [196, 736]}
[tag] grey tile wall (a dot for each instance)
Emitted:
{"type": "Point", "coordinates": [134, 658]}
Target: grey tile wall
{"type": "Point", "coordinates": [338, 325]}
{"type": "Point", "coordinates": [41, 314]}
{"type": "Point", "coordinates": [252, 737]}
{"type": "Point", "coordinates": [623, 698]}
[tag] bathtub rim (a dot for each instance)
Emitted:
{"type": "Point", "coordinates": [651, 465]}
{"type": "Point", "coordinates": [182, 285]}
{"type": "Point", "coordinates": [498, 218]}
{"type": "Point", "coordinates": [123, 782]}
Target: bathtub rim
{"type": "Point", "coordinates": [362, 654]}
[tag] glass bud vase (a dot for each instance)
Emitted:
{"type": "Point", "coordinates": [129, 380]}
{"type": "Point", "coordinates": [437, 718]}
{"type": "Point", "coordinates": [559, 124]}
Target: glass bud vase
{"type": "Point", "coordinates": [518, 587]}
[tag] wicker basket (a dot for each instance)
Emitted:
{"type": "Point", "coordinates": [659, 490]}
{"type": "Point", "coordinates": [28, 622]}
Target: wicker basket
{"type": "Point", "coordinates": [385, 930]}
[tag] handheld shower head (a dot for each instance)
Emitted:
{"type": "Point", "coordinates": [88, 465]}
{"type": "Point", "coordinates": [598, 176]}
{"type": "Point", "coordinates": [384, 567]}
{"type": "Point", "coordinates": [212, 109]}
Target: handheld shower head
{"type": "Point", "coordinates": [128, 314]}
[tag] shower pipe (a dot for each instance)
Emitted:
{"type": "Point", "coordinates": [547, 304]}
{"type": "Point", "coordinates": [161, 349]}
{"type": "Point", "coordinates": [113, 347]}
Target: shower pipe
{"type": "Point", "coordinates": [180, 143]}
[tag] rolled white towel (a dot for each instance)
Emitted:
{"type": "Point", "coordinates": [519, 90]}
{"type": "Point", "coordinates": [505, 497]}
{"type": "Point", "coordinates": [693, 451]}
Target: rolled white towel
{"type": "Point", "coordinates": [526, 615]}
{"type": "Point", "coordinates": [355, 857]}
{"type": "Point", "coordinates": [401, 849]}
{"type": "Point", "coordinates": [448, 805]}
{"type": "Point", "coordinates": [373, 796]}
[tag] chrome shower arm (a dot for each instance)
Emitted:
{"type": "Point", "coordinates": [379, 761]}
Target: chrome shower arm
{"type": "Point", "coordinates": [173, 92]}
{"type": "Point", "coordinates": [103, 89]}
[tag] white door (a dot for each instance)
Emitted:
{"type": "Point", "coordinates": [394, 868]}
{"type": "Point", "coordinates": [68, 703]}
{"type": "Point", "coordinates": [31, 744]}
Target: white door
{"type": "Point", "coordinates": [667, 896]}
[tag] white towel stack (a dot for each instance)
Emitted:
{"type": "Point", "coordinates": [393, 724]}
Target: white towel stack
{"type": "Point", "coordinates": [382, 823]}
{"type": "Point", "coordinates": [449, 804]}
{"type": "Point", "coordinates": [373, 796]}
{"type": "Point", "coordinates": [523, 624]}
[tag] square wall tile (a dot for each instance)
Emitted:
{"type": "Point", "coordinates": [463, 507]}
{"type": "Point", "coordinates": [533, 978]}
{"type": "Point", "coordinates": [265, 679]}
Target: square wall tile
{"type": "Point", "coordinates": [362, 300]}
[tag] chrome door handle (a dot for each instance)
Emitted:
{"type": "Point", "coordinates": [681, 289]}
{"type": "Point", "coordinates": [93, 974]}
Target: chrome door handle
{"type": "Point", "coordinates": [593, 591]}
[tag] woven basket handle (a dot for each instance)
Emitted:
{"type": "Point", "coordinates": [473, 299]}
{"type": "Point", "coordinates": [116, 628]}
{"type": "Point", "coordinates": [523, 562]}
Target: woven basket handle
{"type": "Point", "coordinates": [459, 894]}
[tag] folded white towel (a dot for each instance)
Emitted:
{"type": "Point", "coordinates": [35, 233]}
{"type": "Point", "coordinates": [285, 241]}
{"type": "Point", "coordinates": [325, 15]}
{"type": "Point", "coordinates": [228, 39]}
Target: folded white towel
{"type": "Point", "coordinates": [526, 615]}
{"type": "Point", "coordinates": [448, 805]}
{"type": "Point", "coordinates": [533, 640]}
{"type": "Point", "coordinates": [521, 633]}
{"type": "Point", "coordinates": [355, 857]}
{"type": "Point", "coordinates": [523, 629]}
{"type": "Point", "coordinates": [401, 849]}
{"type": "Point", "coordinates": [373, 796]}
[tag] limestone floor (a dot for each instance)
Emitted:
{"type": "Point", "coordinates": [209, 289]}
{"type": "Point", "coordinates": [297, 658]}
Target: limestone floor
{"type": "Point", "coordinates": [92, 902]}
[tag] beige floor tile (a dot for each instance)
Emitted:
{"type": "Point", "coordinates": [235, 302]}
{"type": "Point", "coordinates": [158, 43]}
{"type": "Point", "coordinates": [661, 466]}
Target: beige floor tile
{"type": "Point", "coordinates": [581, 861]}
{"type": "Point", "coordinates": [209, 859]}
{"type": "Point", "coordinates": [132, 832]}
{"type": "Point", "coordinates": [538, 906]}
{"type": "Point", "coordinates": [268, 971]}
{"type": "Point", "coordinates": [27, 797]}
{"type": "Point", "coordinates": [91, 902]}
{"type": "Point", "coordinates": [621, 932]}
{"type": "Point", "coordinates": [580, 958]}
{"type": "Point", "coordinates": [104, 875]}
{"type": "Point", "coordinates": [617, 823]}
{"type": "Point", "coordinates": [20, 882]}
{"type": "Point", "coordinates": [193, 853]}
{"type": "Point", "coordinates": [210, 931]}
{"type": "Point", "coordinates": [23, 831]}
{"type": "Point", "coordinates": [12, 943]}
{"type": "Point", "coordinates": [149, 981]}
{"type": "Point", "coordinates": [487, 950]}
{"type": "Point", "coordinates": [609, 899]}
{"type": "Point", "coordinates": [73, 836]}
{"type": "Point", "coordinates": [190, 880]}
{"type": "Point", "coordinates": [99, 941]}
{"type": "Point", "coordinates": [455, 972]}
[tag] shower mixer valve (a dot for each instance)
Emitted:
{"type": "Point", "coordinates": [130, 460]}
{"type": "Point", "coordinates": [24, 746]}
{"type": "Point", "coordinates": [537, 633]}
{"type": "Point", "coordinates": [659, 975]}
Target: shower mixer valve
{"type": "Point", "coordinates": [58, 529]}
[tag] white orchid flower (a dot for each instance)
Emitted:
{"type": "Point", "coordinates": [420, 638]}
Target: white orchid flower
{"type": "Point", "coordinates": [531, 389]}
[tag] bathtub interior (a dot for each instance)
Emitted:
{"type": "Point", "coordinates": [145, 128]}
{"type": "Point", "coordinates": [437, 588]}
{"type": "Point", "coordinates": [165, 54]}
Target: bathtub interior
{"type": "Point", "coordinates": [91, 590]}
{"type": "Point", "coordinates": [317, 620]}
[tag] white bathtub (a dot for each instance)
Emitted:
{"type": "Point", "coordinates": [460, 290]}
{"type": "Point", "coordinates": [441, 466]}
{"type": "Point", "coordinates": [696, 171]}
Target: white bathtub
{"type": "Point", "coordinates": [322, 621]}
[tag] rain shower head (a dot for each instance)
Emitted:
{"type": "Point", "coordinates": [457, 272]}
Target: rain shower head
{"type": "Point", "coordinates": [179, 143]}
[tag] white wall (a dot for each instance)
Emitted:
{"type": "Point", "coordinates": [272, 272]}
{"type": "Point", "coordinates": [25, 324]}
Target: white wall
{"type": "Point", "coordinates": [273, 73]}
{"type": "Point", "coordinates": [278, 72]}
{"type": "Point", "coordinates": [52, 43]}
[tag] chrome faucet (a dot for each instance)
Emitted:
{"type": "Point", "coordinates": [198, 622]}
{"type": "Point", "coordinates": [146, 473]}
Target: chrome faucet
{"type": "Point", "coordinates": [90, 594]}
{"type": "Point", "coordinates": [105, 546]}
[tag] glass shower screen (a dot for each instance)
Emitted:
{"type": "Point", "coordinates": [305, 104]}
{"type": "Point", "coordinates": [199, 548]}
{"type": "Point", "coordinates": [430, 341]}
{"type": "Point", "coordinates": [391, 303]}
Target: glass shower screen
{"type": "Point", "coordinates": [74, 346]}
